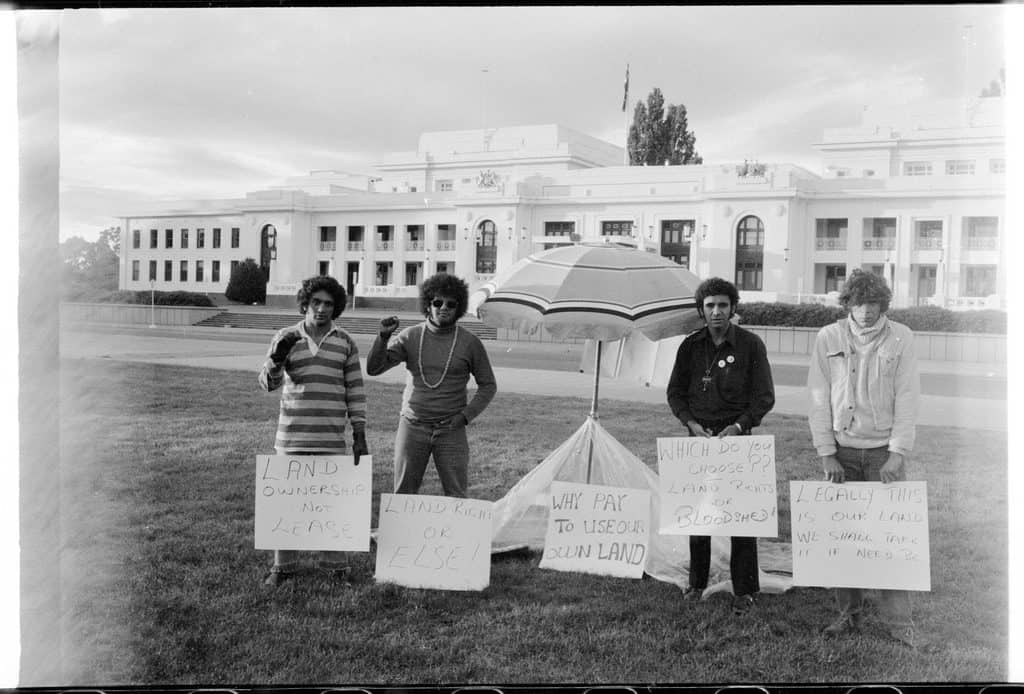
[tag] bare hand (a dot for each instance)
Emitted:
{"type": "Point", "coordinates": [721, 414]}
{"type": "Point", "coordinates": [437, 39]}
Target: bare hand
{"type": "Point", "coordinates": [890, 472]}
{"type": "Point", "coordinates": [387, 326]}
{"type": "Point", "coordinates": [833, 470]}
{"type": "Point", "coordinates": [284, 346]}
{"type": "Point", "coordinates": [696, 429]}
{"type": "Point", "coordinates": [731, 430]}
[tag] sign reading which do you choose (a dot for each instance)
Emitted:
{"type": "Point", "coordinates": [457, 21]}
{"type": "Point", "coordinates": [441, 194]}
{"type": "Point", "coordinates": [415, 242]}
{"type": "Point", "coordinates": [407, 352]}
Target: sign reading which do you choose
{"type": "Point", "coordinates": [718, 486]}
{"type": "Point", "coordinates": [597, 529]}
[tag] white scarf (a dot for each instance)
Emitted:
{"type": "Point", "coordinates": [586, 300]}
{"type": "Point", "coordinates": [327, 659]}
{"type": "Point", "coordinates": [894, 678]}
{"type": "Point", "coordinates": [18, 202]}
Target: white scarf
{"type": "Point", "coordinates": [863, 336]}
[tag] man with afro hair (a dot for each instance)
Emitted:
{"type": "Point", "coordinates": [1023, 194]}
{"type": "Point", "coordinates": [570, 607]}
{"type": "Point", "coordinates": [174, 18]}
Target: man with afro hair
{"type": "Point", "coordinates": [439, 358]}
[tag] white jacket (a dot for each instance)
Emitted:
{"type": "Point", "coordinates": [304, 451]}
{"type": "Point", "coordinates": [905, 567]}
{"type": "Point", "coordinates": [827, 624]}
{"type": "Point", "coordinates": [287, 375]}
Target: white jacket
{"type": "Point", "coordinates": [867, 399]}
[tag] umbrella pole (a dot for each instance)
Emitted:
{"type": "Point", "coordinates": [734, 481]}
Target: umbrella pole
{"type": "Point", "coordinates": [593, 408]}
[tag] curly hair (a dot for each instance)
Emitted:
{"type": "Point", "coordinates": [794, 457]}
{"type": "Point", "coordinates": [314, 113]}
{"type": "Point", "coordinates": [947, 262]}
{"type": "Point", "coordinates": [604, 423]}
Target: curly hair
{"type": "Point", "coordinates": [443, 284]}
{"type": "Point", "coordinates": [713, 286]}
{"type": "Point", "coordinates": [327, 283]}
{"type": "Point", "coordinates": [865, 288]}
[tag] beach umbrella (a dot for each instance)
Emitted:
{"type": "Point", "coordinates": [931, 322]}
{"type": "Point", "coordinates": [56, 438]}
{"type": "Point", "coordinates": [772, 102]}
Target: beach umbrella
{"type": "Point", "coordinates": [596, 291]}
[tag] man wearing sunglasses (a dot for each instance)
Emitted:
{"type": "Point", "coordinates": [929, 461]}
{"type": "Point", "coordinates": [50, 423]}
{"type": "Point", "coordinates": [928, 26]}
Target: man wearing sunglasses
{"type": "Point", "coordinates": [440, 357]}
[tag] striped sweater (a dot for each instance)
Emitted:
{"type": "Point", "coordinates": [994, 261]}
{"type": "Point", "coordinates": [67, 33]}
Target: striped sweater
{"type": "Point", "coordinates": [323, 386]}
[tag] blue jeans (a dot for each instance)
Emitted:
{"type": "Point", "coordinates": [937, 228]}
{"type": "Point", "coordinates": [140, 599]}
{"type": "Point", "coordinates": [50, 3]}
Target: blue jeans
{"type": "Point", "coordinates": [416, 441]}
{"type": "Point", "coordinates": [865, 465]}
{"type": "Point", "coordinates": [287, 560]}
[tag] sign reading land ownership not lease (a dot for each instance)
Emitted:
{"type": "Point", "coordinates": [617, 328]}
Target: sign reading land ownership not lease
{"type": "Point", "coordinates": [860, 535]}
{"type": "Point", "coordinates": [315, 502]}
{"type": "Point", "coordinates": [597, 529]}
{"type": "Point", "coordinates": [712, 486]}
{"type": "Point", "coordinates": [434, 542]}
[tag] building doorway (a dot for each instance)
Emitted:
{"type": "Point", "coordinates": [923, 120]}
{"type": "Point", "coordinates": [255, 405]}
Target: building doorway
{"type": "Point", "coordinates": [351, 277]}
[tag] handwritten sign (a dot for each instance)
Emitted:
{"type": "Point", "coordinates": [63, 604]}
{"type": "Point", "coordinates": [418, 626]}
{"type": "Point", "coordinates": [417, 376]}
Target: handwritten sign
{"type": "Point", "coordinates": [598, 530]}
{"type": "Point", "coordinates": [315, 502]}
{"type": "Point", "coordinates": [712, 486]}
{"type": "Point", "coordinates": [860, 535]}
{"type": "Point", "coordinates": [434, 542]}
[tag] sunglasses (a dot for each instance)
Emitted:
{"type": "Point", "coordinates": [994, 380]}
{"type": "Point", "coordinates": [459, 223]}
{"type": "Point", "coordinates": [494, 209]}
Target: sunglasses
{"type": "Point", "coordinates": [437, 303]}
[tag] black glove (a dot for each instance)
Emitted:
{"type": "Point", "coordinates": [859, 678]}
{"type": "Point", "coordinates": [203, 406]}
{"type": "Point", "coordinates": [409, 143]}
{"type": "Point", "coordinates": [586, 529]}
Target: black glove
{"type": "Point", "coordinates": [359, 446]}
{"type": "Point", "coordinates": [284, 346]}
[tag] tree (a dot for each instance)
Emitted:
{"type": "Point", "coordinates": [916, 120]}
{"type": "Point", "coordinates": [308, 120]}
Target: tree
{"type": "Point", "coordinates": [996, 87]}
{"type": "Point", "coordinates": [661, 135]}
{"type": "Point", "coordinates": [90, 268]}
{"type": "Point", "coordinates": [248, 284]}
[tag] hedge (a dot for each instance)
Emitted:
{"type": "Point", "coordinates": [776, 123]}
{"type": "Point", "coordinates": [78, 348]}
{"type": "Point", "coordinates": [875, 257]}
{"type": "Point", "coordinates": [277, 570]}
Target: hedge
{"type": "Point", "coordinates": [178, 298]}
{"type": "Point", "coordinates": [925, 318]}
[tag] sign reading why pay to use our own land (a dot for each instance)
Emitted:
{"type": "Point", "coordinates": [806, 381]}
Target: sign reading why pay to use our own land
{"type": "Point", "coordinates": [314, 502]}
{"type": "Point", "coordinates": [860, 535]}
{"type": "Point", "coordinates": [434, 542]}
{"type": "Point", "coordinates": [712, 486]}
{"type": "Point", "coordinates": [596, 529]}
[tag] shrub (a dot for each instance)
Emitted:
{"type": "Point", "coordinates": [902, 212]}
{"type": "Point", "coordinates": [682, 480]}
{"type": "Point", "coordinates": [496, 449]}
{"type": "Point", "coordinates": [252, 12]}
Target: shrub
{"type": "Point", "coordinates": [247, 284]}
{"type": "Point", "coordinates": [920, 318]}
{"type": "Point", "coordinates": [142, 296]}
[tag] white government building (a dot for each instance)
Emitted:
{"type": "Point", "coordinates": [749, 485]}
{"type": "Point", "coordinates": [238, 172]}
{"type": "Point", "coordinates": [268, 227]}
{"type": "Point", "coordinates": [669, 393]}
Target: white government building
{"type": "Point", "coordinates": [917, 197]}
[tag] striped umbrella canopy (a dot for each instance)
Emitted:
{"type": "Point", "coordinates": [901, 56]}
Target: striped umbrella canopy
{"type": "Point", "coordinates": [595, 291]}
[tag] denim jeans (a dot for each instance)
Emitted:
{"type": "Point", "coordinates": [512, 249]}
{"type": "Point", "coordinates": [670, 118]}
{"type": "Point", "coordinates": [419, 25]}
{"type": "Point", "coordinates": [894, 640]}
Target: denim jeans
{"type": "Point", "coordinates": [287, 560]}
{"type": "Point", "coordinates": [865, 465]}
{"type": "Point", "coordinates": [417, 441]}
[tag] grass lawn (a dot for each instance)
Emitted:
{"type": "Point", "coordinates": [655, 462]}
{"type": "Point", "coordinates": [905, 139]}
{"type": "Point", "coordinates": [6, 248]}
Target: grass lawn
{"type": "Point", "coordinates": [161, 584]}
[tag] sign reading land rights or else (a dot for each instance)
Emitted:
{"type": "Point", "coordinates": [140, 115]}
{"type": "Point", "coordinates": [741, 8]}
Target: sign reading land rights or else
{"type": "Point", "coordinates": [718, 486]}
{"type": "Point", "coordinates": [314, 502]}
{"type": "Point", "coordinates": [597, 529]}
{"type": "Point", "coordinates": [860, 535]}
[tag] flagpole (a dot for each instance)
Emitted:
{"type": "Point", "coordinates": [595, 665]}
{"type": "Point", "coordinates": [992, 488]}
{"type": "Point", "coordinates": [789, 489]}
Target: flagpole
{"type": "Point", "coordinates": [625, 119]}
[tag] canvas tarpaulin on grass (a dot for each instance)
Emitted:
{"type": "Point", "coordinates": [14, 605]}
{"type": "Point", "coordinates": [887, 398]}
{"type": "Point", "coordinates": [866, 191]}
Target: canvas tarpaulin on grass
{"type": "Point", "coordinates": [521, 516]}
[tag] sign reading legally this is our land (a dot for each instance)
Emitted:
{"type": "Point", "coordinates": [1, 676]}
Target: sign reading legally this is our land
{"type": "Point", "coordinates": [596, 529]}
{"type": "Point", "coordinates": [435, 542]}
{"type": "Point", "coordinates": [314, 502]}
{"type": "Point", "coordinates": [860, 535]}
{"type": "Point", "coordinates": [718, 486]}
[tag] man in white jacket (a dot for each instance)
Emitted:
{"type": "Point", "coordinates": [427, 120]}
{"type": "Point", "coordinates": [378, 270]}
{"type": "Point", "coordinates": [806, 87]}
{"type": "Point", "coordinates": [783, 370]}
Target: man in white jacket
{"type": "Point", "coordinates": [864, 391]}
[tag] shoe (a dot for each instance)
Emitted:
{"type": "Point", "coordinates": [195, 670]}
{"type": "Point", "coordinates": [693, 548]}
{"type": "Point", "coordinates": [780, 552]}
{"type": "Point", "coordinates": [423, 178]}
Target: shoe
{"type": "Point", "coordinates": [847, 623]}
{"type": "Point", "coordinates": [904, 635]}
{"type": "Point", "coordinates": [742, 604]}
{"type": "Point", "coordinates": [276, 578]}
{"type": "Point", "coordinates": [692, 594]}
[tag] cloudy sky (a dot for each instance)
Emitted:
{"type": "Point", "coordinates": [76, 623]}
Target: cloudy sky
{"type": "Point", "coordinates": [187, 103]}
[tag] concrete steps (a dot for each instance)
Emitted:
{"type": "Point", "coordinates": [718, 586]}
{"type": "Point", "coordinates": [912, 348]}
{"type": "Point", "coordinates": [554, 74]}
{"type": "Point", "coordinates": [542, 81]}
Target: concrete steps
{"type": "Point", "coordinates": [352, 324]}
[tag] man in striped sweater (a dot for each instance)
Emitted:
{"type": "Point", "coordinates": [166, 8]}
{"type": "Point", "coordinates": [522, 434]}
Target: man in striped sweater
{"type": "Point", "coordinates": [318, 364]}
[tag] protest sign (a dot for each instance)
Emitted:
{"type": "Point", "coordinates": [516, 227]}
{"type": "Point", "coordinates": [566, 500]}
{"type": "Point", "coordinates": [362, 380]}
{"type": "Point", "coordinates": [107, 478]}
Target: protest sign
{"type": "Point", "coordinates": [718, 486]}
{"type": "Point", "coordinates": [860, 535]}
{"type": "Point", "coordinates": [314, 502]}
{"type": "Point", "coordinates": [434, 542]}
{"type": "Point", "coordinates": [596, 529]}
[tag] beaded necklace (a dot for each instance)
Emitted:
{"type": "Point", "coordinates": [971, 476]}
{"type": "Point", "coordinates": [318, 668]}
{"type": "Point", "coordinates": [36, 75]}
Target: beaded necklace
{"type": "Point", "coordinates": [447, 364]}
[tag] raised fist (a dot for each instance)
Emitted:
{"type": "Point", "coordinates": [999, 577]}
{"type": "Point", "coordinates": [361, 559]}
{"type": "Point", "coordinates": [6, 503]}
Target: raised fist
{"type": "Point", "coordinates": [284, 346]}
{"type": "Point", "coordinates": [387, 326]}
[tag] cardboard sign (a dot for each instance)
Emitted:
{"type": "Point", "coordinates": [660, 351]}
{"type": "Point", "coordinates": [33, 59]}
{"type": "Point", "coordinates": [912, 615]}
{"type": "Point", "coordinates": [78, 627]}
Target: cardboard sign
{"type": "Point", "coordinates": [314, 502]}
{"type": "Point", "coordinates": [860, 535]}
{"type": "Point", "coordinates": [598, 530]}
{"type": "Point", "coordinates": [434, 542]}
{"type": "Point", "coordinates": [712, 486]}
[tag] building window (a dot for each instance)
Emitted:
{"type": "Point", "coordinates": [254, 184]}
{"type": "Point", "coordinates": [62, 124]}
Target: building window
{"type": "Point", "coordinates": [215, 271]}
{"type": "Point", "coordinates": [835, 278]}
{"type": "Point", "coordinates": [960, 167]}
{"type": "Point", "coordinates": [324, 268]}
{"type": "Point", "coordinates": [558, 229]}
{"type": "Point", "coordinates": [383, 274]}
{"type": "Point", "coordinates": [168, 270]}
{"type": "Point", "coordinates": [355, 238]}
{"type": "Point", "coordinates": [328, 238]}
{"type": "Point", "coordinates": [620, 228]}
{"type": "Point", "coordinates": [979, 280]}
{"type": "Point", "coordinates": [184, 238]}
{"type": "Point", "coordinates": [445, 186]}
{"type": "Point", "coordinates": [200, 237]}
{"type": "Point", "coordinates": [234, 237]}
{"type": "Point", "coordinates": [446, 237]}
{"type": "Point", "coordinates": [168, 238]}
{"type": "Point", "coordinates": [675, 240]}
{"type": "Point", "coordinates": [183, 276]}
{"type": "Point", "coordinates": [928, 234]}
{"type": "Point", "coordinates": [412, 273]}
{"type": "Point", "coordinates": [152, 271]}
{"type": "Point", "coordinates": [981, 233]}
{"type": "Point", "coordinates": [216, 237]}
{"type": "Point", "coordinates": [136, 239]}
{"type": "Point", "coordinates": [135, 271]}
{"type": "Point", "coordinates": [384, 237]}
{"type": "Point", "coordinates": [412, 189]}
{"type": "Point", "coordinates": [154, 235]}
{"type": "Point", "coordinates": [486, 247]}
{"type": "Point", "coordinates": [750, 254]}
{"type": "Point", "coordinates": [414, 237]}
{"type": "Point", "coordinates": [199, 271]}
{"type": "Point", "coordinates": [917, 168]}
{"type": "Point", "coordinates": [830, 234]}
{"type": "Point", "coordinates": [997, 166]}
{"type": "Point", "coordinates": [234, 264]}
{"type": "Point", "coordinates": [879, 233]}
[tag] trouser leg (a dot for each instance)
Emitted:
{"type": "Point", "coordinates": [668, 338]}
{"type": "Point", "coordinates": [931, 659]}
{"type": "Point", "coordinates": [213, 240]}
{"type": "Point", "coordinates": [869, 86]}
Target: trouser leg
{"type": "Point", "coordinates": [743, 565]}
{"type": "Point", "coordinates": [451, 457]}
{"type": "Point", "coordinates": [412, 451]}
{"type": "Point", "coordinates": [700, 561]}
{"type": "Point", "coordinates": [285, 560]}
